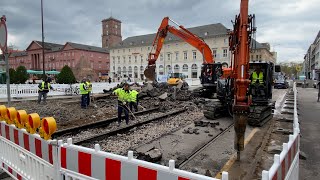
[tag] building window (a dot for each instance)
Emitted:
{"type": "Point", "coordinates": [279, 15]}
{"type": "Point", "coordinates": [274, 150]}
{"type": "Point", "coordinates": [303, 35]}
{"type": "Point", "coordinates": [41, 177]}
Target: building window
{"type": "Point", "coordinates": [225, 40]}
{"type": "Point", "coordinates": [225, 52]}
{"type": "Point", "coordinates": [106, 25]}
{"type": "Point", "coordinates": [113, 58]}
{"type": "Point", "coordinates": [99, 65]}
{"type": "Point", "coordinates": [251, 57]}
{"type": "Point", "coordinates": [73, 63]}
{"type": "Point", "coordinates": [257, 57]}
{"type": "Point", "coordinates": [124, 59]}
{"type": "Point", "coordinates": [161, 57]}
{"type": "Point", "coordinates": [141, 58]}
{"type": "Point", "coordinates": [194, 54]}
{"type": "Point", "coordinates": [185, 68]}
{"type": "Point", "coordinates": [176, 68]}
{"type": "Point", "coordinates": [129, 57]}
{"type": "Point", "coordinates": [114, 68]}
{"type": "Point", "coordinates": [169, 56]}
{"type": "Point", "coordinates": [260, 57]}
{"type": "Point", "coordinates": [177, 56]}
{"type": "Point", "coordinates": [135, 59]}
{"type": "Point", "coordinates": [116, 26]}
{"type": "Point", "coordinates": [118, 59]}
{"type": "Point", "coordinates": [214, 53]}
{"type": "Point", "coordinates": [148, 48]}
{"type": "Point", "coordinates": [185, 55]}
{"type": "Point", "coordinates": [107, 32]}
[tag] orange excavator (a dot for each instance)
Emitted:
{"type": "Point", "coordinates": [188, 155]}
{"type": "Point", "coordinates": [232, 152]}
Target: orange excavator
{"type": "Point", "coordinates": [210, 71]}
{"type": "Point", "coordinates": [237, 89]}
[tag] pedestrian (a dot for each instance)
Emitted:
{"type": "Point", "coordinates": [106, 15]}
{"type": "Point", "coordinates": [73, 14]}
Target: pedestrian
{"type": "Point", "coordinates": [44, 88]}
{"type": "Point", "coordinates": [123, 101]}
{"type": "Point", "coordinates": [318, 91]}
{"type": "Point", "coordinates": [109, 80]}
{"type": "Point", "coordinates": [84, 92]}
{"type": "Point", "coordinates": [134, 100]}
{"type": "Point", "coordinates": [89, 86]}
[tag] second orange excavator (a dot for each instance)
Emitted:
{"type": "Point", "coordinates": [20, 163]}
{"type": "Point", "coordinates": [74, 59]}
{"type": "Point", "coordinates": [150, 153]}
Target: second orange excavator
{"type": "Point", "coordinates": [210, 71]}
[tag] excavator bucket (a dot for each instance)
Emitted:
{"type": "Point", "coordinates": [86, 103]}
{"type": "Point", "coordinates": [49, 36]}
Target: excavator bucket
{"type": "Point", "coordinates": [150, 73]}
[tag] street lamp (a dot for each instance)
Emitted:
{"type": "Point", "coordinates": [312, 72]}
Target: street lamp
{"type": "Point", "coordinates": [44, 73]}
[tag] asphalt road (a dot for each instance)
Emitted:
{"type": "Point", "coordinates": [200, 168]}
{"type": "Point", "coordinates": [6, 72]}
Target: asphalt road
{"type": "Point", "coordinates": [309, 110]}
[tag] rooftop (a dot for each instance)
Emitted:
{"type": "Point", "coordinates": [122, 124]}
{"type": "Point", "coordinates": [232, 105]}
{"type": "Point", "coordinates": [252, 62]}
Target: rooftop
{"type": "Point", "coordinates": [205, 31]}
{"type": "Point", "coordinates": [87, 47]}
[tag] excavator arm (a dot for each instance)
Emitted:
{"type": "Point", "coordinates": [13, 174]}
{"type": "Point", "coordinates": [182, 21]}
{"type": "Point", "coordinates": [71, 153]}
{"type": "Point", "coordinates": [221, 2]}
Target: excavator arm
{"type": "Point", "coordinates": [239, 43]}
{"type": "Point", "coordinates": [183, 34]}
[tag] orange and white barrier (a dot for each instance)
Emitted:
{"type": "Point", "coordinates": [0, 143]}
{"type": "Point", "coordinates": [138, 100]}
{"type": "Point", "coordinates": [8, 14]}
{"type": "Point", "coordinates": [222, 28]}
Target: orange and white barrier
{"type": "Point", "coordinates": [27, 155]}
{"type": "Point", "coordinates": [286, 164]}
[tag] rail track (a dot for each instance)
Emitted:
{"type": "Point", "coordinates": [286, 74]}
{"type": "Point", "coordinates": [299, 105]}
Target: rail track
{"type": "Point", "coordinates": [97, 131]}
{"type": "Point", "coordinates": [97, 124]}
{"type": "Point", "coordinates": [124, 129]}
{"type": "Point", "coordinates": [203, 147]}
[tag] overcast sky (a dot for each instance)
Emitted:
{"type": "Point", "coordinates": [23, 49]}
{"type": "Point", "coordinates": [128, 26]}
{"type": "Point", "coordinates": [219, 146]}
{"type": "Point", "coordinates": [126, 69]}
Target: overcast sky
{"type": "Point", "coordinates": [288, 25]}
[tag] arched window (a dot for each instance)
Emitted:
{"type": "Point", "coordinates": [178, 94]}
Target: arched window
{"type": "Point", "coordinates": [130, 69]}
{"type": "Point", "coordinates": [124, 70]}
{"type": "Point", "coordinates": [141, 69]}
{"type": "Point", "coordinates": [119, 70]}
{"type": "Point", "coordinates": [135, 69]}
{"type": "Point", "coordinates": [194, 67]}
{"type": "Point", "coordinates": [185, 68]}
{"type": "Point", "coordinates": [176, 68]}
{"type": "Point", "coordinates": [168, 68]}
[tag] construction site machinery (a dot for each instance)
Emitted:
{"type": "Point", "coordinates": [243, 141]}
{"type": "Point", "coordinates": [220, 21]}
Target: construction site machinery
{"type": "Point", "coordinates": [175, 78]}
{"type": "Point", "coordinates": [247, 102]}
{"type": "Point", "coordinates": [210, 71]}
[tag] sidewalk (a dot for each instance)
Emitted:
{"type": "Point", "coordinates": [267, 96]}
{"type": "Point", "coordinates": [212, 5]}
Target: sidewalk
{"type": "Point", "coordinates": [309, 118]}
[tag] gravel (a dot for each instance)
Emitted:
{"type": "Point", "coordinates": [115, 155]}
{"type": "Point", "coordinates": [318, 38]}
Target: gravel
{"type": "Point", "coordinates": [121, 143]}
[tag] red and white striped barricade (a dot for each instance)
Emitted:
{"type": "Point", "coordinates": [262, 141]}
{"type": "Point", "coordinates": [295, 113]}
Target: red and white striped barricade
{"type": "Point", "coordinates": [26, 155]}
{"type": "Point", "coordinates": [286, 164]}
{"type": "Point", "coordinates": [84, 163]}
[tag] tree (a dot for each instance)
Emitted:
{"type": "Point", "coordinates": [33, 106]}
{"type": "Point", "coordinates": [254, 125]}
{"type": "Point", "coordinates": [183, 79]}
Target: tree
{"type": "Point", "coordinates": [12, 74]}
{"type": "Point", "coordinates": [21, 75]}
{"type": "Point", "coordinates": [66, 76]}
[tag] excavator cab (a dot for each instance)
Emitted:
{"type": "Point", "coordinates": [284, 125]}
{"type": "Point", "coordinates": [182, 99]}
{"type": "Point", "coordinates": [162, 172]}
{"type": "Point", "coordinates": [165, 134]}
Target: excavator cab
{"type": "Point", "coordinates": [262, 104]}
{"type": "Point", "coordinates": [210, 73]}
{"type": "Point", "coordinates": [261, 91]}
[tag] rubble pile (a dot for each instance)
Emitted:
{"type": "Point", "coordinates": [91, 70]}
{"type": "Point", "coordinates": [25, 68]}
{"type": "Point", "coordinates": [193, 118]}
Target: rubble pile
{"type": "Point", "coordinates": [163, 91]}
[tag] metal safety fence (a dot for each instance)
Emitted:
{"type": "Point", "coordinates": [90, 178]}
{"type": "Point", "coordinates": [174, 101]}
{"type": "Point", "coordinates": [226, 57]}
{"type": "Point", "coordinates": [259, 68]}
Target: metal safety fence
{"type": "Point", "coordinates": [286, 164]}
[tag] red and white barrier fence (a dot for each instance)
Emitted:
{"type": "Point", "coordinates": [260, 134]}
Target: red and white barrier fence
{"type": "Point", "coordinates": [27, 156]}
{"type": "Point", "coordinates": [286, 164]}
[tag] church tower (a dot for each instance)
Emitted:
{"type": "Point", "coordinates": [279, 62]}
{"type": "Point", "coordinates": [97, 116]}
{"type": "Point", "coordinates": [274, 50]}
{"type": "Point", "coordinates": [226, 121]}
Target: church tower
{"type": "Point", "coordinates": [111, 32]}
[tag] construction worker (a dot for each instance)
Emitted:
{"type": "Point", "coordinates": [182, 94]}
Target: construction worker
{"type": "Point", "coordinates": [44, 88]}
{"type": "Point", "coordinates": [134, 100]}
{"type": "Point", "coordinates": [257, 81]}
{"type": "Point", "coordinates": [84, 94]}
{"type": "Point", "coordinates": [89, 85]}
{"type": "Point", "coordinates": [124, 97]}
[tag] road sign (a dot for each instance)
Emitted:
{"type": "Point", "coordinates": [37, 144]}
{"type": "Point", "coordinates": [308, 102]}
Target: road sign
{"type": "Point", "coordinates": [3, 34]}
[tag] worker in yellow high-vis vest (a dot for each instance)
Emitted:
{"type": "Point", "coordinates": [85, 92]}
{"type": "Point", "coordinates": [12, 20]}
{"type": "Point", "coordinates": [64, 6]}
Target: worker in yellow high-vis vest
{"type": "Point", "coordinates": [89, 85]}
{"type": "Point", "coordinates": [44, 88]}
{"type": "Point", "coordinates": [84, 94]}
{"type": "Point", "coordinates": [124, 99]}
{"type": "Point", "coordinates": [257, 81]}
{"type": "Point", "coordinates": [134, 100]}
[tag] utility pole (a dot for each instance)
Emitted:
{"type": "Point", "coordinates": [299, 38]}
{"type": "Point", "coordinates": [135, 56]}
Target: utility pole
{"type": "Point", "coordinates": [44, 73]}
{"type": "Point", "coordinates": [3, 47]}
